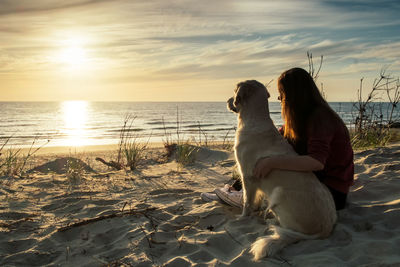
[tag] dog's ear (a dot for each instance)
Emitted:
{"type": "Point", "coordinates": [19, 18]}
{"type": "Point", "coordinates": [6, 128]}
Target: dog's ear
{"type": "Point", "coordinates": [231, 106]}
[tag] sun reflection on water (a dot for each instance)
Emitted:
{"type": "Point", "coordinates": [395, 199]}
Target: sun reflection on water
{"type": "Point", "coordinates": [75, 114]}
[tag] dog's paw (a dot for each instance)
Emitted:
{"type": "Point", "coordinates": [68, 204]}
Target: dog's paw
{"type": "Point", "coordinates": [272, 221]}
{"type": "Point", "coordinates": [246, 212]}
{"type": "Point", "coordinates": [242, 216]}
{"type": "Point", "coordinates": [267, 214]}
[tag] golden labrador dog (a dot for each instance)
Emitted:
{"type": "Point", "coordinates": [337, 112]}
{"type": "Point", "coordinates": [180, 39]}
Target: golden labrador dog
{"type": "Point", "coordinates": [301, 204]}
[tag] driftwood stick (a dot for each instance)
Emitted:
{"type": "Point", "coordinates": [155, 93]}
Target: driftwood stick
{"type": "Point", "coordinates": [112, 164]}
{"type": "Point", "coordinates": [16, 222]}
{"type": "Point", "coordinates": [104, 217]}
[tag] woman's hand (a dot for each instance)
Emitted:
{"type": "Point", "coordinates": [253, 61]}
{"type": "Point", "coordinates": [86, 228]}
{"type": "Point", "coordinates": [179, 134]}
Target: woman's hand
{"type": "Point", "coordinates": [263, 168]}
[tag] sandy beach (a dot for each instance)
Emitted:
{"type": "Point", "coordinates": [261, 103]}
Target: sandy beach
{"type": "Point", "coordinates": [154, 216]}
{"type": "Point", "coordinates": [90, 86]}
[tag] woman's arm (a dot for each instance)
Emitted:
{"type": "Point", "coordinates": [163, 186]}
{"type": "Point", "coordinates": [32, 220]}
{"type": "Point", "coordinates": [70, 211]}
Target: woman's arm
{"type": "Point", "coordinates": [292, 163]}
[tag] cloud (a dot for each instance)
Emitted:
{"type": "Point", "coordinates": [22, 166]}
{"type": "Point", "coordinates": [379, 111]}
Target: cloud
{"type": "Point", "coordinates": [388, 51]}
{"type": "Point", "coordinates": [132, 40]}
{"type": "Point", "coordinates": [362, 5]}
{"type": "Point", "coordinates": [9, 7]}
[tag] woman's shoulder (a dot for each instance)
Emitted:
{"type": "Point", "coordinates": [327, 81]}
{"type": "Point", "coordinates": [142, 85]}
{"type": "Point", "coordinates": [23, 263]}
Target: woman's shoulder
{"type": "Point", "coordinates": [325, 120]}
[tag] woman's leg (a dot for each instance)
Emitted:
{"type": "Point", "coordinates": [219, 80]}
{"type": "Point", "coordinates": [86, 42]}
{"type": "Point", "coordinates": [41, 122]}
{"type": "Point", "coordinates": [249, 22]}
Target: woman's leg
{"type": "Point", "coordinates": [237, 185]}
{"type": "Point", "coordinates": [339, 198]}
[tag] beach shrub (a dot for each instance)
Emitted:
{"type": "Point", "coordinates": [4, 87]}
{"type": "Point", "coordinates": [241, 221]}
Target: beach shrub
{"type": "Point", "coordinates": [130, 147]}
{"type": "Point", "coordinates": [371, 128]}
{"type": "Point", "coordinates": [227, 144]}
{"type": "Point", "coordinates": [169, 145]}
{"type": "Point", "coordinates": [202, 141]}
{"type": "Point", "coordinates": [9, 160]}
{"type": "Point", "coordinates": [12, 162]}
{"type": "Point", "coordinates": [134, 152]}
{"type": "Point", "coordinates": [370, 138]}
{"type": "Point", "coordinates": [394, 135]}
{"type": "Point", "coordinates": [75, 170]}
{"type": "Point", "coordinates": [185, 154]}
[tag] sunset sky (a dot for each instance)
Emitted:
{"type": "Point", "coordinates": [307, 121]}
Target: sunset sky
{"type": "Point", "coordinates": [177, 50]}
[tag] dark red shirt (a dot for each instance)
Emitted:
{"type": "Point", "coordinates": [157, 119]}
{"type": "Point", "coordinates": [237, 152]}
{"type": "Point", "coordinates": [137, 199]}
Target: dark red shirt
{"type": "Point", "coordinates": [333, 149]}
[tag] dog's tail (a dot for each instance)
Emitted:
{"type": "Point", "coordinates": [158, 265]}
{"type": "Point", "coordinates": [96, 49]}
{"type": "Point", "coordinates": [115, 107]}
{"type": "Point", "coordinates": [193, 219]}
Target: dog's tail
{"type": "Point", "coordinates": [271, 244]}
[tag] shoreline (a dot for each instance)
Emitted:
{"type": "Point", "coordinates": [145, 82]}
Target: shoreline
{"type": "Point", "coordinates": [52, 150]}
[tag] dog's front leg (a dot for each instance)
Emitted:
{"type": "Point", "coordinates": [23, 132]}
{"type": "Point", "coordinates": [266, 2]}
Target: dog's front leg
{"type": "Point", "coordinates": [249, 194]}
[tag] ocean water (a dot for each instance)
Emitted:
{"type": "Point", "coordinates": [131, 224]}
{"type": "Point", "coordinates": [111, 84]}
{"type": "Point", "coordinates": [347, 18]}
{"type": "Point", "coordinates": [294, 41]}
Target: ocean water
{"type": "Point", "coordinates": [77, 123]}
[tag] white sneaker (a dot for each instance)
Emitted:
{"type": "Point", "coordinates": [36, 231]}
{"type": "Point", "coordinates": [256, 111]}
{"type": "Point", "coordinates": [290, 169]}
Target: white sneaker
{"type": "Point", "coordinates": [208, 197]}
{"type": "Point", "coordinates": [230, 197]}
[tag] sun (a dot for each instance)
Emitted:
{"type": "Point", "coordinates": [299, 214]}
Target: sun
{"type": "Point", "coordinates": [73, 53]}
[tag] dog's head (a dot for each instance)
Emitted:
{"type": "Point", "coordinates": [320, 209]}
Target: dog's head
{"type": "Point", "coordinates": [245, 93]}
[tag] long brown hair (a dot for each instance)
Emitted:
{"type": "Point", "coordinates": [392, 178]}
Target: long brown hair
{"type": "Point", "coordinates": [303, 107]}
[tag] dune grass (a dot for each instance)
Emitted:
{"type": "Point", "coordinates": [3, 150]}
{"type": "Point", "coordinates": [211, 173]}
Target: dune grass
{"type": "Point", "coordinates": [186, 154]}
{"type": "Point", "coordinates": [10, 162]}
{"type": "Point", "coordinates": [13, 162]}
{"type": "Point", "coordinates": [134, 152]}
{"type": "Point", "coordinates": [370, 138]}
{"type": "Point", "coordinates": [184, 150]}
{"type": "Point", "coordinates": [130, 150]}
{"type": "Point", "coordinates": [75, 170]}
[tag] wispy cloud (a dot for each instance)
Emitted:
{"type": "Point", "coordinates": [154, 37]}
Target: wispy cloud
{"type": "Point", "coordinates": [9, 7]}
{"type": "Point", "coordinates": [132, 40]}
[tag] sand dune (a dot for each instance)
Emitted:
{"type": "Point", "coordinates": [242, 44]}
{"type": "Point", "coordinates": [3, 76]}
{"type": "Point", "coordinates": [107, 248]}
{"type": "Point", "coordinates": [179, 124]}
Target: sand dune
{"type": "Point", "coordinates": [154, 216]}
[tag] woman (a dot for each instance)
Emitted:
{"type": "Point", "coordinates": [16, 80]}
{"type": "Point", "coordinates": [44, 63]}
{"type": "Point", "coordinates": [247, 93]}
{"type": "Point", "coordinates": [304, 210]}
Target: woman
{"type": "Point", "coordinates": [316, 132]}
